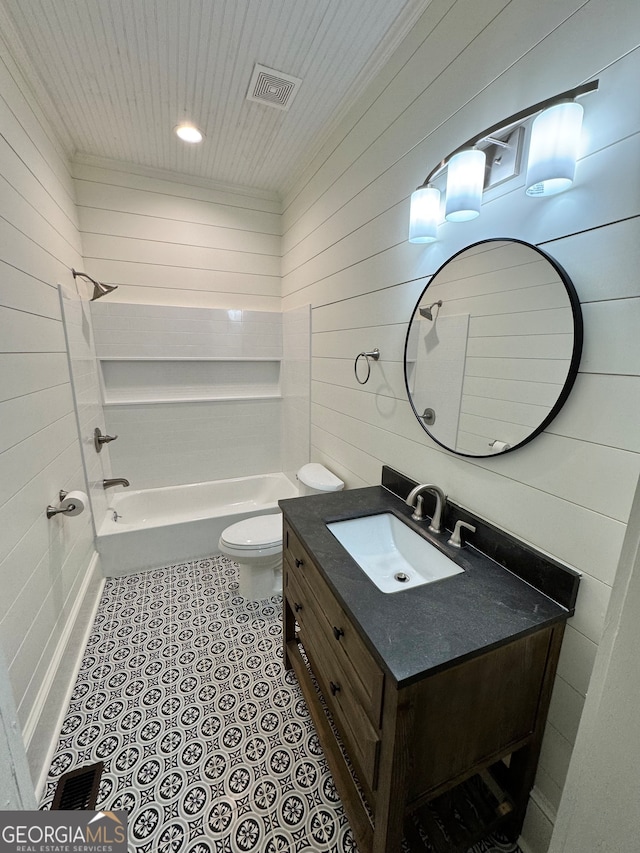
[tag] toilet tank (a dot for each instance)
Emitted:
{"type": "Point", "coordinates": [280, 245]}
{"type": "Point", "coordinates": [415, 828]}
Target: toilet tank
{"type": "Point", "coordinates": [314, 478]}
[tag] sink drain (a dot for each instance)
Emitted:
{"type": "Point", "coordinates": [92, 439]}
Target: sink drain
{"type": "Point", "coordinates": [402, 577]}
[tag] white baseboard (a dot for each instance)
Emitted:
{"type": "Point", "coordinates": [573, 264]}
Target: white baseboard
{"type": "Point", "coordinates": [40, 732]}
{"type": "Point", "coordinates": [538, 824]}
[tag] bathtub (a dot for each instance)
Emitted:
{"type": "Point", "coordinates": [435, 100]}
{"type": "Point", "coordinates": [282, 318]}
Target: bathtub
{"type": "Point", "coordinates": [158, 527]}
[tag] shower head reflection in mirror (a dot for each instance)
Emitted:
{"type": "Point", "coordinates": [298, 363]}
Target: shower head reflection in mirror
{"type": "Point", "coordinates": [504, 353]}
{"type": "Point", "coordinates": [428, 312]}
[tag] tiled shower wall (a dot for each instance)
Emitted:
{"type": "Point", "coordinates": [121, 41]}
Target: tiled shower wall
{"type": "Point", "coordinates": [230, 425]}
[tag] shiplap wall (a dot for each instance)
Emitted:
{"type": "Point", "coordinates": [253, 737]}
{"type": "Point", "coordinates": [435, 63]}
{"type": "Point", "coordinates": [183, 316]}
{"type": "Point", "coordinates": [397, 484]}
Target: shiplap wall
{"type": "Point", "coordinates": [47, 570]}
{"type": "Point", "coordinates": [171, 242]}
{"type": "Point", "coordinates": [345, 251]}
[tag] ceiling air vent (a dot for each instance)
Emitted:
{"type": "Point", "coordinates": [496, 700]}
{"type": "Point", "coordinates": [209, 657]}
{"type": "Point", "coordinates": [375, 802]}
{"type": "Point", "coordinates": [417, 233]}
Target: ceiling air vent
{"type": "Point", "coordinates": [272, 87]}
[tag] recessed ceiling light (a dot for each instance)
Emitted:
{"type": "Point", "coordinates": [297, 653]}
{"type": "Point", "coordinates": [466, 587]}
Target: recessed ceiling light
{"type": "Point", "coordinates": [188, 133]}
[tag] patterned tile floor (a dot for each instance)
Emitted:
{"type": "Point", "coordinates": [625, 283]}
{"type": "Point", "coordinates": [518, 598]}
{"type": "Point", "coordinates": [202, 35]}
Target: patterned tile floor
{"type": "Point", "coordinates": [207, 741]}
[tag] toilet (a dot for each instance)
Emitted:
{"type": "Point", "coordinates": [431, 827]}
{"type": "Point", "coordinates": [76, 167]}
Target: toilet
{"type": "Point", "coordinates": [256, 543]}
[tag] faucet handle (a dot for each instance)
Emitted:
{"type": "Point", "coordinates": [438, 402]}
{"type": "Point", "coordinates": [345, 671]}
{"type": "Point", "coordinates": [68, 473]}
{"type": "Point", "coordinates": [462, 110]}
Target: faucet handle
{"type": "Point", "coordinates": [456, 536]}
{"type": "Point", "coordinates": [99, 439]}
{"type": "Point", "coordinates": [418, 512]}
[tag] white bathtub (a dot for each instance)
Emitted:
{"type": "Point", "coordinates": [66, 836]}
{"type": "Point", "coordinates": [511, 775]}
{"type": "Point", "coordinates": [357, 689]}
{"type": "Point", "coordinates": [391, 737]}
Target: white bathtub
{"type": "Point", "coordinates": [158, 527]}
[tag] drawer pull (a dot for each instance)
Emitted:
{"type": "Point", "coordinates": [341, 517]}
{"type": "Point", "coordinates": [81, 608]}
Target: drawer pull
{"type": "Point", "coordinates": [334, 688]}
{"type": "Point", "coordinates": [337, 632]}
{"type": "Point", "coordinates": [299, 563]}
{"type": "Point", "coordinates": [297, 607]}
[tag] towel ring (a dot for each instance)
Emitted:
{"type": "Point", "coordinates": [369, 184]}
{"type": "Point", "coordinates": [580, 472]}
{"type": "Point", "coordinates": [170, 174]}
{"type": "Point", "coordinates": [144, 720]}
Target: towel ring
{"type": "Point", "coordinates": [375, 355]}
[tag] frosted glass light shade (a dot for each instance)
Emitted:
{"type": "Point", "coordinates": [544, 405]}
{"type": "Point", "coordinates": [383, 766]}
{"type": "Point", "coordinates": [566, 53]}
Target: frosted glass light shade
{"type": "Point", "coordinates": [553, 150]}
{"type": "Point", "coordinates": [424, 215]}
{"type": "Point", "coordinates": [465, 181]}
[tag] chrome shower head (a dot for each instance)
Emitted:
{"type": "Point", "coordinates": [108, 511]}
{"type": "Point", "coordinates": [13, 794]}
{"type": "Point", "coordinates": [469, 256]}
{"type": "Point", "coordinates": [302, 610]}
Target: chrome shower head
{"type": "Point", "coordinates": [427, 313]}
{"type": "Point", "coordinates": [99, 289]}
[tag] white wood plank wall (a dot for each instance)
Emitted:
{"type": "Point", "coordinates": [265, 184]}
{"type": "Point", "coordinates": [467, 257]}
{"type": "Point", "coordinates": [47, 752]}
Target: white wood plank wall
{"type": "Point", "coordinates": [345, 251]}
{"type": "Point", "coordinates": [171, 242]}
{"type": "Point", "coordinates": [45, 566]}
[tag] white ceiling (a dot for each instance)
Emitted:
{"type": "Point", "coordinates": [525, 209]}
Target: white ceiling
{"type": "Point", "coordinates": [115, 76]}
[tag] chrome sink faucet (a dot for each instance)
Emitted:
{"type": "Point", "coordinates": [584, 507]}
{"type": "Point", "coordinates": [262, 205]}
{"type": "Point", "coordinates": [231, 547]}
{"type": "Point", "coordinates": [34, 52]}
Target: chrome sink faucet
{"type": "Point", "coordinates": [415, 500]}
{"type": "Point", "coordinates": [115, 481]}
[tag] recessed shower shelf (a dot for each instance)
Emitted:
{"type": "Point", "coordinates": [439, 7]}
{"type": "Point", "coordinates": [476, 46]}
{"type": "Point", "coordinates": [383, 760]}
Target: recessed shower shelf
{"type": "Point", "coordinates": [143, 381]}
{"type": "Point", "coordinates": [146, 401]}
{"type": "Point", "coordinates": [187, 358]}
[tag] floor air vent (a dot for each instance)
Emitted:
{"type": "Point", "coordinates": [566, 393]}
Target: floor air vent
{"type": "Point", "coordinates": [78, 789]}
{"type": "Point", "coordinates": [272, 87]}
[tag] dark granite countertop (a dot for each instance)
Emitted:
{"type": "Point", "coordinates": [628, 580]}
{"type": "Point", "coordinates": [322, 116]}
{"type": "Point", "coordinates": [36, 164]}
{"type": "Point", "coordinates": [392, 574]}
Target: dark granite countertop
{"type": "Point", "coordinates": [428, 628]}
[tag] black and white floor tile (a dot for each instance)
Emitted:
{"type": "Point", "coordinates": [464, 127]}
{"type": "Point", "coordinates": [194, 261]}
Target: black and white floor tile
{"type": "Point", "coordinates": [206, 739]}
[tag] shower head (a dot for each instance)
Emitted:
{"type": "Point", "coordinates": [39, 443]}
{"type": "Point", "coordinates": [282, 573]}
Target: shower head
{"type": "Point", "coordinates": [427, 313]}
{"type": "Point", "coordinates": [99, 289]}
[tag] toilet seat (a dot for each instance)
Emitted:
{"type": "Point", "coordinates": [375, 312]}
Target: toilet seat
{"type": "Point", "coordinates": [259, 533]}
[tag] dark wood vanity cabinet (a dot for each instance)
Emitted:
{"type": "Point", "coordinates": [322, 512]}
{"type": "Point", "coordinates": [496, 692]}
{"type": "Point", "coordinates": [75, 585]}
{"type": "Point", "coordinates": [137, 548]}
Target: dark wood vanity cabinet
{"type": "Point", "coordinates": [465, 738]}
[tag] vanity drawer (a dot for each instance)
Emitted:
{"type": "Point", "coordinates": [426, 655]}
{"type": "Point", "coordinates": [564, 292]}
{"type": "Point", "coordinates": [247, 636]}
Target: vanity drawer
{"type": "Point", "coordinates": [361, 739]}
{"type": "Point", "coordinates": [363, 671]}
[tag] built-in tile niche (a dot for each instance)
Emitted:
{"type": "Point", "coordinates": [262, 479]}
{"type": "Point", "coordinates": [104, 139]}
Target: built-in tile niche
{"type": "Point", "coordinates": [131, 381]}
{"type": "Point", "coordinates": [206, 383]}
{"type": "Point", "coordinates": [163, 354]}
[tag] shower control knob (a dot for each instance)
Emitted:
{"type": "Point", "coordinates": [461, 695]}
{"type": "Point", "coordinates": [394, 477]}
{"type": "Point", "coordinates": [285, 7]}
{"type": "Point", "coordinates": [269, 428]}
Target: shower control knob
{"type": "Point", "coordinates": [99, 439]}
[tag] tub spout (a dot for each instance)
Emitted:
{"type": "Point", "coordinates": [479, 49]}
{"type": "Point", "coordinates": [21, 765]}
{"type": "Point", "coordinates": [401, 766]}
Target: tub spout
{"type": "Point", "coordinates": [115, 481]}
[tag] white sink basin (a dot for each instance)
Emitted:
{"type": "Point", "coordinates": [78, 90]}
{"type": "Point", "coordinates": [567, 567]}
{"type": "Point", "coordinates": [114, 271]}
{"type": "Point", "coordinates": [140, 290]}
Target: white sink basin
{"type": "Point", "coordinates": [393, 555]}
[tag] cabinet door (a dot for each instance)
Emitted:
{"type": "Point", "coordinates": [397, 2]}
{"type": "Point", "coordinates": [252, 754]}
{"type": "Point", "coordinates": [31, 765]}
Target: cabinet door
{"type": "Point", "coordinates": [364, 673]}
{"type": "Point", "coordinates": [335, 683]}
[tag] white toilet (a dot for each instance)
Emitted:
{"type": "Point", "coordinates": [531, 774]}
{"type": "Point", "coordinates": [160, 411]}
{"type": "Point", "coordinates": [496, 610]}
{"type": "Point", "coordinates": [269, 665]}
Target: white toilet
{"type": "Point", "coordinates": [256, 543]}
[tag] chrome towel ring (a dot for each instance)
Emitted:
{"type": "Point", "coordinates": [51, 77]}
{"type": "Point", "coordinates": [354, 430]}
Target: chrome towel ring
{"type": "Point", "coordinates": [375, 355]}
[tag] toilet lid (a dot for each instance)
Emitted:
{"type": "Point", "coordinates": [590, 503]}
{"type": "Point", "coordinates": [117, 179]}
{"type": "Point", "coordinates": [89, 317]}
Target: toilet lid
{"type": "Point", "coordinates": [258, 531]}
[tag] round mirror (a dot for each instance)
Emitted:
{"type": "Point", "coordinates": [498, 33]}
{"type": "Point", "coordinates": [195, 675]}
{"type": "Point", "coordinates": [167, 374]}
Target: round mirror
{"type": "Point", "coordinates": [493, 347]}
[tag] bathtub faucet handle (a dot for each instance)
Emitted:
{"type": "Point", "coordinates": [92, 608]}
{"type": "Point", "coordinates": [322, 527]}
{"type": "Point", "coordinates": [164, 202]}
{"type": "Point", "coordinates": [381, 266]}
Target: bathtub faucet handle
{"type": "Point", "coordinates": [99, 439]}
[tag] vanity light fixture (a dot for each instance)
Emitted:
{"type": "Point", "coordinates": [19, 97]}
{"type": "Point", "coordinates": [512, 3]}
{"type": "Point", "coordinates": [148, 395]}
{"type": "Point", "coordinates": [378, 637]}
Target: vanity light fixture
{"type": "Point", "coordinates": [188, 132]}
{"type": "Point", "coordinates": [425, 215]}
{"type": "Point", "coordinates": [479, 163]}
{"type": "Point", "coordinates": [465, 182]}
{"type": "Point", "coordinates": [553, 149]}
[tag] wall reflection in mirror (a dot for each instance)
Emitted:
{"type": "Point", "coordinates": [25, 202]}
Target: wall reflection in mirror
{"type": "Point", "coordinates": [493, 347]}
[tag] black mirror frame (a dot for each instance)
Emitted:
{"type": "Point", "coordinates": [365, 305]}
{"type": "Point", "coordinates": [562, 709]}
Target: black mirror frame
{"type": "Point", "coordinates": [574, 364]}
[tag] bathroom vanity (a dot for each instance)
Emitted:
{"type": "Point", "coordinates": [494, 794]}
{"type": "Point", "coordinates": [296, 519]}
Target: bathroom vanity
{"type": "Point", "coordinates": [437, 695]}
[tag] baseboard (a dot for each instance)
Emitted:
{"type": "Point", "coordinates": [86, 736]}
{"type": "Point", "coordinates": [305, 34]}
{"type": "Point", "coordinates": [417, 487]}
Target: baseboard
{"type": "Point", "coordinates": [538, 824]}
{"type": "Point", "coordinates": [40, 732]}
